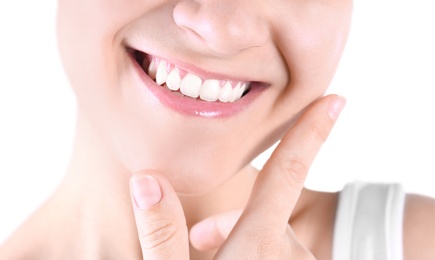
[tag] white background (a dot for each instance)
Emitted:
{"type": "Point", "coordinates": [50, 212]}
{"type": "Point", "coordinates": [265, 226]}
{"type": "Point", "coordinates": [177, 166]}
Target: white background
{"type": "Point", "coordinates": [385, 134]}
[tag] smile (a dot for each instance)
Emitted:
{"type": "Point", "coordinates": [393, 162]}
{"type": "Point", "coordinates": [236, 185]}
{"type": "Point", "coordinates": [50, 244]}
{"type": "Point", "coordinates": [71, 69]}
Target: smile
{"type": "Point", "coordinates": [192, 93]}
{"type": "Point", "coordinates": [190, 84]}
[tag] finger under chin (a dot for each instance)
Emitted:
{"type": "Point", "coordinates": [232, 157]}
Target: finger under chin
{"type": "Point", "coordinates": [160, 220]}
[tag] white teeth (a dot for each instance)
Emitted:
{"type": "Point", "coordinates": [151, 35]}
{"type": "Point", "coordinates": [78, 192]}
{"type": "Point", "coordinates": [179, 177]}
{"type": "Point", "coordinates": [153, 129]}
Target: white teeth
{"type": "Point", "coordinates": [239, 90]}
{"type": "Point", "coordinates": [226, 92]}
{"type": "Point", "coordinates": [209, 90]}
{"type": "Point", "coordinates": [162, 73]}
{"type": "Point", "coordinates": [242, 90]}
{"type": "Point", "coordinates": [236, 91]}
{"type": "Point", "coordinates": [190, 85]}
{"type": "Point", "coordinates": [152, 69]}
{"type": "Point", "coordinates": [173, 81]}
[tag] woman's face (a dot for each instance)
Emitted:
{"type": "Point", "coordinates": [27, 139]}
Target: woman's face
{"type": "Point", "coordinates": [284, 52]}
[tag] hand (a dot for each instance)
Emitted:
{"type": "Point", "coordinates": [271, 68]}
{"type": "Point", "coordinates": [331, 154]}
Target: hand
{"type": "Point", "coordinates": [262, 231]}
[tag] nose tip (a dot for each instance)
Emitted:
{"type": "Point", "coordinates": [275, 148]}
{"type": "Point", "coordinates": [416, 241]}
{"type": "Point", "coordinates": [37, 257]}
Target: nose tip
{"type": "Point", "coordinates": [225, 26]}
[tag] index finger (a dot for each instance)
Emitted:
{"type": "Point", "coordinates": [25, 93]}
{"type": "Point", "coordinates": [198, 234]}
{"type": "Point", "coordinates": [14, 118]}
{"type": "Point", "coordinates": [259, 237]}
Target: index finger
{"type": "Point", "coordinates": [281, 180]}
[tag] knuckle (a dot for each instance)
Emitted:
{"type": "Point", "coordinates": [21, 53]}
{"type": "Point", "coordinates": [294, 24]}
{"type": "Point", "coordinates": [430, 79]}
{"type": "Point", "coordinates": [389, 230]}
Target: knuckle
{"type": "Point", "coordinates": [280, 249]}
{"type": "Point", "coordinates": [273, 250]}
{"type": "Point", "coordinates": [319, 130]}
{"type": "Point", "coordinates": [295, 170]}
{"type": "Point", "coordinates": [157, 232]}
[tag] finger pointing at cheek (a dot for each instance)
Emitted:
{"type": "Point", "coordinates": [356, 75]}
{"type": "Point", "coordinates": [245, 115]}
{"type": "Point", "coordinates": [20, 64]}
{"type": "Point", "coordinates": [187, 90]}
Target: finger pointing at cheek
{"type": "Point", "coordinates": [281, 180]}
{"type": "Point", "coordinates": [159, 217]}
{"type": "Point", "coordinates": [264, 222]}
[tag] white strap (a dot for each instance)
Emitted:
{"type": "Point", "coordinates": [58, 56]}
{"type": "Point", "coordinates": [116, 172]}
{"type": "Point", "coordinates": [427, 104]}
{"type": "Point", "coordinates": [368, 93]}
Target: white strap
{"type": "Point", "coordinates": [369, 221]}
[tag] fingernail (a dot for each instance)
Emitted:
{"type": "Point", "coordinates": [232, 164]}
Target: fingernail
{"type": "Point", "coordinates": [146, 191]}
{"type": "Point", "coordinates": [336, 107]}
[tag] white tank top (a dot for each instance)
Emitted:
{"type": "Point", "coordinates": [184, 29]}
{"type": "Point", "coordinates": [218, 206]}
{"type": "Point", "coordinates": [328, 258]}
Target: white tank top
{"type": "Point", "coordinates": [369, 222]}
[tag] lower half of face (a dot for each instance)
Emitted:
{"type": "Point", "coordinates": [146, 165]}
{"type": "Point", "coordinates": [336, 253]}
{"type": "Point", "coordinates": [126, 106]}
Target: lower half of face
{"type": "Point", "coordinates": [196, 90]}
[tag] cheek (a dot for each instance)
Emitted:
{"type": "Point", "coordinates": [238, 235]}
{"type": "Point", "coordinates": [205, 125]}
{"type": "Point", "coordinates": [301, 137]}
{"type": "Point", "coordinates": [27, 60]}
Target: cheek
{"type": "Point", "coordinates": [82, 47]}
{"type": "Point", "coordinates": [89, 50]}
{"type": "Point", "coordinates": [88, 41]}
{"type": "Point", "coordinates": [312, 45]}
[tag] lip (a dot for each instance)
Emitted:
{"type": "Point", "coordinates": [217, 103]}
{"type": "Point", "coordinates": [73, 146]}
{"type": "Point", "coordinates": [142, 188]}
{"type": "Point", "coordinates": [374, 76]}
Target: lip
{"type": "Point", "coordinates": [195, 107]}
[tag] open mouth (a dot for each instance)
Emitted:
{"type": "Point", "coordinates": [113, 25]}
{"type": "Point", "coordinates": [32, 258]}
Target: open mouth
{"type": "Point", "coordinates": [185, 83]}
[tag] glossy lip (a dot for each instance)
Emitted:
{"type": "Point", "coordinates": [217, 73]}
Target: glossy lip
{"type": "Point", "coordinates": [196, 107]}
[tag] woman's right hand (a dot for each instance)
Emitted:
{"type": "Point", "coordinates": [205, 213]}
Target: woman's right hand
{"type": "Point", "coordinates": [262, 231]}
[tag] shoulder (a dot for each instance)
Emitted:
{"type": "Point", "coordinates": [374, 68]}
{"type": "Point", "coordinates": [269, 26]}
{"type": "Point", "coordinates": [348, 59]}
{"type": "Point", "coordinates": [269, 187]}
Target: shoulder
{"type": "Point", "coordinates": [419, 227]}
{"type": "Point", "coordinates": [313, 221]}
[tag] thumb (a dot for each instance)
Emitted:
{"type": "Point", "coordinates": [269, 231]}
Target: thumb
{"type": "Point", "coordinates": [160, 220]}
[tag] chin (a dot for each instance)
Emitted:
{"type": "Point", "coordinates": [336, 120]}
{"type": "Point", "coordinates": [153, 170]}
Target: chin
{"type": "Point", "coordinates": [192, 171]}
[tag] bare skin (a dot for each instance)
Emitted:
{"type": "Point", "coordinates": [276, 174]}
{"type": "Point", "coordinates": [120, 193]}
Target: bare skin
{"type": "Point", "coordinates": [292, 47]}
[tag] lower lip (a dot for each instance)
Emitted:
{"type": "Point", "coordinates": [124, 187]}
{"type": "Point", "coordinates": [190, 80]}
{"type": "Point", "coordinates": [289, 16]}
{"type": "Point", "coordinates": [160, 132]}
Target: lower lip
{"type": "Point", "coordinates": [196, 107]}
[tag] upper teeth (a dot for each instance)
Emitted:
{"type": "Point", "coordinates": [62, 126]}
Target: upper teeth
{"type": "Point", "coordinates": [192, 85]}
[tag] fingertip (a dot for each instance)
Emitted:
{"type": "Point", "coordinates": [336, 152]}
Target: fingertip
{"type": "Point", "coordinates": [145, 190]}
{"type": "Point", "coordinates": [336, 106]}
{"type": "Point", "coordinates": [204, 236]}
